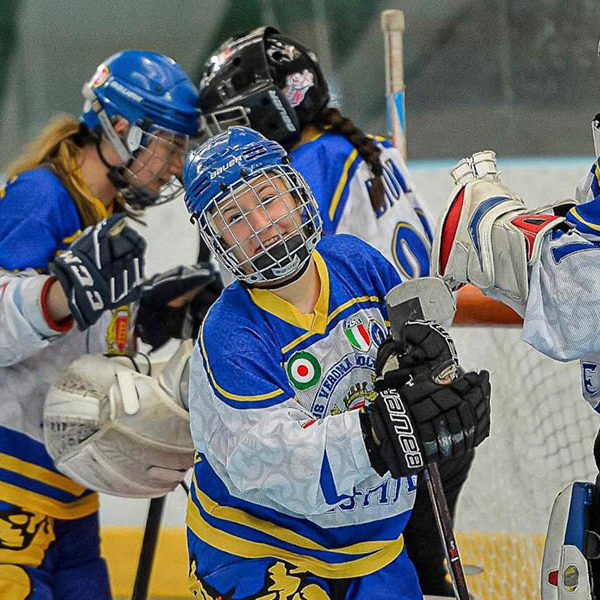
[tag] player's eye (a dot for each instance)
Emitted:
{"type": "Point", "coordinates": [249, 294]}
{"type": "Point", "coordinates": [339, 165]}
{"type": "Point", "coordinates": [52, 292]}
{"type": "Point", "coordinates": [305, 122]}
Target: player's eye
{"type": "Point", "coordinates": [233, 217]}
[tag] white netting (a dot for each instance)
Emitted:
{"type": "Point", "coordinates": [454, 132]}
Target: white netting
{"type": "Point", "coordinates": [541, 440]}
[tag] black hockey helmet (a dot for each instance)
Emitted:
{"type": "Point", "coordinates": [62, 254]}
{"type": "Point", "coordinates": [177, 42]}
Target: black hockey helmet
{"type": "Point", "coordinates": [264, 80]}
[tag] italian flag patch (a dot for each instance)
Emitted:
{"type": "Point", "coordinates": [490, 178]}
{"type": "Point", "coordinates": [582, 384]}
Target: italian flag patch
{"type": "Point", "coordinates": [357, 334]}
{"type": "Point", "coordinates": [303, 370]}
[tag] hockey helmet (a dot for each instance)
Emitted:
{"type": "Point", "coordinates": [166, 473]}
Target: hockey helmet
{"type": "Point", "coordinates": [255, 211]}
{"type": "Point", "coordinates": [265, 80]}
{"type": "Point", "coordinates": [153, 93]}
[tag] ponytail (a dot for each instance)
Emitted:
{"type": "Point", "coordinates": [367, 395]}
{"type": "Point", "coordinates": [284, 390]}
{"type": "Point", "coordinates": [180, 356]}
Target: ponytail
{"type": "Point", "coordinates": [58, 147]}
{"type": "Point", "coordinates": [331, 119]}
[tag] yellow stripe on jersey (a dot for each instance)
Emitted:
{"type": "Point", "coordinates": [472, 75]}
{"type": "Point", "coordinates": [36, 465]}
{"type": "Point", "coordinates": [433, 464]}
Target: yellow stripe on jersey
{"type": "Point", "coordinates": [244, 548]}
{"type": "Point", "coordinates": [309, 134]}
{"type": "Point", "coordinates": [37, 502]}
{"type": "Point", "coordinates": [71, 238]}
{"type": "Point", "coordinates": [315, 322]}
{"type": "Point", "coordinates": [225, 393]}
{"type": "Point", "coordinates": [341, 184]}
{"type": "Point", "coordinates": [330, 318]}
{"type": "Point", "coordinates": [241, 517]}
{"type": "Point", "coordinates": [574, 212]}
{"type": "Point", "coordinates": [41, 474]}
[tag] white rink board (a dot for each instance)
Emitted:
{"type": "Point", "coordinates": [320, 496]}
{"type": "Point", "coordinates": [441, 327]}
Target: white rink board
{"type": "Point", "coordinates": [173, 240]}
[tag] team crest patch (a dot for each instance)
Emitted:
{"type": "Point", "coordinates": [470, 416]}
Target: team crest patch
{"type": "Point", "coordinates": [296, 86]}
{"type": "Point", "coordinates": [357, 333]}
{"type": "Point", "coordinates": [117, 333]}
{"type": "Point", "coordinates": [303, 370]}
{"type": "Point", "coordinates": [100, 76]}
{"type": "Point", "coordinates": [377, 332]}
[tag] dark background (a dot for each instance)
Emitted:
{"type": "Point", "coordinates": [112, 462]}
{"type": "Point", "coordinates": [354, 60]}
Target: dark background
{"type": "Point", "coordinates": [520, 76]}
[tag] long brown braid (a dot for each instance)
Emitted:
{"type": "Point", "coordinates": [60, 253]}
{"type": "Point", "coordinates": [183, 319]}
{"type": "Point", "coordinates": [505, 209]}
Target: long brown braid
{"type": "Point", "coordinates": [331, 119]}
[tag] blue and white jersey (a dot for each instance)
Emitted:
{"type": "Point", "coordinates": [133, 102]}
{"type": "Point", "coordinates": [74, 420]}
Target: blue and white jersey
{"type": "Point", "coordinates": [563, 308]}
{"type": "Point", "coordinates": [340, 178]}
{"type": "Point", "coordinates": [38, 218]}
{"type": "Point", "coordinates": [589, 186]}
{"type": "Point", "coordinates": [282, 470]}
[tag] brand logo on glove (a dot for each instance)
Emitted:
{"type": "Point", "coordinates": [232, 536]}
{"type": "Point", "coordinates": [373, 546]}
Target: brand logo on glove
{"type": "Point", "coordinates": [85, 279]}
{"type": "Point", "coordinates": [403, 428]}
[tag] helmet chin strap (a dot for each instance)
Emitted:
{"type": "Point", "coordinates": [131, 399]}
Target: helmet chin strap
{"type": "Point", "coordinates": [138, 198]}
{"type": "Point", "coordinates": [270, 263]}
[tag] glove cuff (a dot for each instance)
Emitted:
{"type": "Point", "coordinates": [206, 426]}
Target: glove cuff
{"type": "Point", "coordinates": [375, 457]}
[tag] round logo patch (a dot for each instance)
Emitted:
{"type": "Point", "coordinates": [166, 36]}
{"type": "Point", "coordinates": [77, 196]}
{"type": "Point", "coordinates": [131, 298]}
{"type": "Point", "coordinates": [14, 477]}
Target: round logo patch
{"type": "Point", "coordinates": [100, 76]}
{"type": "Point", "coordinates": [303, 370]}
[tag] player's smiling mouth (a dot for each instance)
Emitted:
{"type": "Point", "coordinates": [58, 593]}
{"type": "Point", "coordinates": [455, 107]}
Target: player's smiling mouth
{"type": "Point", "coordinates": [268, 243]}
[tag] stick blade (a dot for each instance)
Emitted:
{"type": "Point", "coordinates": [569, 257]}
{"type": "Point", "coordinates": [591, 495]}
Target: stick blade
{"type": "Point", "coordinates": [427, 298]}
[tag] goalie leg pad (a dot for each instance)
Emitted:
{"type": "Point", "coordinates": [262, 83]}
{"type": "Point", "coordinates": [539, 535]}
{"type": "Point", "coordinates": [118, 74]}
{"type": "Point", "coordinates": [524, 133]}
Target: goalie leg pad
{"type": "Point", "coordinates": [565, 567]}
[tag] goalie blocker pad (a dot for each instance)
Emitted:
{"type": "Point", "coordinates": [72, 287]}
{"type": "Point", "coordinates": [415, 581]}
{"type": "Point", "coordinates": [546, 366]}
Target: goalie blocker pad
{"type": "Point", "coordinates": [117, 431]}
{"type": "Point", "coordinates": [487, 236]}
{"type": "Point", "coordinates": [572, 546]}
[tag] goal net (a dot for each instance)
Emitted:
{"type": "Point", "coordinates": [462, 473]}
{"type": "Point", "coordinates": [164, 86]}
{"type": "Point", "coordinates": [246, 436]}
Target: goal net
{"type": "Point", "coordinates": [541, 440]}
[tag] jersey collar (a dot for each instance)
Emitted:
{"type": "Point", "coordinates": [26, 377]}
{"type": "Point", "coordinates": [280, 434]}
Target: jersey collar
{"type": "Point", "coordinates": [315, 322]}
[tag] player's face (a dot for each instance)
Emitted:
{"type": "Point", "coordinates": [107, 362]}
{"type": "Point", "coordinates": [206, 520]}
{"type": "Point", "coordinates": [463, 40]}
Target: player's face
{"type": "Point", "coordinates": [256, 215]}
{"type": "Point", "coordinates": [157, 162]}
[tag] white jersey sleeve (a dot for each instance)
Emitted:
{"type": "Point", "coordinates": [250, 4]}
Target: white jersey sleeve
{"type": "Point", "coordinates": [24, 330]}
{"type": "Point", "coordinates": [563, 308]}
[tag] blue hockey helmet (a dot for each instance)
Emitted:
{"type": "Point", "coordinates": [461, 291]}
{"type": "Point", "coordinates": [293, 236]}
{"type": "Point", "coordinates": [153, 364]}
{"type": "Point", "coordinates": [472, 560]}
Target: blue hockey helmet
{"type": "Point", "coordinates": [154, 94]}
{"type": "Point", "coordinates": [255, 211]}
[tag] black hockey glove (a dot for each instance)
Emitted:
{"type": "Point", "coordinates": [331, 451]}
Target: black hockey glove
{"type": "Point", "coordinates": [425, 350]}
{"type": "Point", "coordinates": [426, 409]}
{"type": "Point", "coordinates": [102, 269]}
{"type": "Point", "coordinates": [157, 322]}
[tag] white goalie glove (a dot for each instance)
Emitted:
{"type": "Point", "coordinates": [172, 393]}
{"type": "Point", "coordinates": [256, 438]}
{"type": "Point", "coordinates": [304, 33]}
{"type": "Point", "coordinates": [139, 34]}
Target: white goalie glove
{"type": "Point", "coordinates": [487, 236]}
{"type": "Point", "coordinates": [118, 431]}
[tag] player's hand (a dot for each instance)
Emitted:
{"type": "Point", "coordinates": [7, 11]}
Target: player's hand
{"type": "Point", "coordinates": [426, 409]}
{"type": "Point", "coordinates": [425, 422]}
{"type": "Point", "coordinates": [101, 270]}
{"type": "Point", "coordinates": [424, 350]}
{"type": "Point", "coordinates": [167, 301]}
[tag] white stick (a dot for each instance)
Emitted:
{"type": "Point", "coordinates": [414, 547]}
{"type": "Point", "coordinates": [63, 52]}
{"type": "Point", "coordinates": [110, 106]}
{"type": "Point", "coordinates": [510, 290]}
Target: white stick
{"type": "Point", "coordinates": [392, 25]}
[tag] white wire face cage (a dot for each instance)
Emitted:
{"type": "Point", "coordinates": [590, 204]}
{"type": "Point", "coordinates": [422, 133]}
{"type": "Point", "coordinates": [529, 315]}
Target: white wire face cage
{"type": "Point", "coordinates": [263, 228]}
{"type": "Point", "coordinates": [154, 157]}
{"type": "Point", "coordinates": [218, 121]}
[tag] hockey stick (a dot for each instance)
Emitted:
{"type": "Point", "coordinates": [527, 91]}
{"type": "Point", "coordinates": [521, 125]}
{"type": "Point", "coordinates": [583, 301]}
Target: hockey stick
{"type": "Point", "coordinates": [430, 298]}
{"type": "Point", "coordinates": [146, 560]}
{"type": "Point", "coordinates": [392, 25]}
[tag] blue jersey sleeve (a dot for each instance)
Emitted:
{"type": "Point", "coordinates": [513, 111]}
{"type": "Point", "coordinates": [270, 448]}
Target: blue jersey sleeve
{"type": "Point", "coordinates": [37, 218]}
{"type": "Point", "coordinates": [586, 217]}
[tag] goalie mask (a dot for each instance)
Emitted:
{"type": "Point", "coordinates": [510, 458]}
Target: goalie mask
{"type": "Point", "coordinates": [153, 93]}
{"type": "Point", "coordinates": [264, 80]}
{"type": "Point", "coordinates": [255, 212]}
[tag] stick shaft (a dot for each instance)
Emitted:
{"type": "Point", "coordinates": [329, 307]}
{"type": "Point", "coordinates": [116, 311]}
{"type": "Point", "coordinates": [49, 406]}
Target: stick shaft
{"type": "Point", "coordinates": [444, 523]}
{"type": "Point", "coordinates": [392, 25]}
{"type": "Point", "coordinates": [144, 570]}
